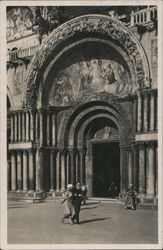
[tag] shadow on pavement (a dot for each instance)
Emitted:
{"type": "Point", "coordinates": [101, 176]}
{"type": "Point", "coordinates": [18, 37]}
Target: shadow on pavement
{"type": "Point", "coordinates": [90, 203]}
{"type": "Point", "coordinates": [83, 208]}
{"type": "Point", "coordinates": [9, 207]}
{"type": "Point", "coordinates": [92, 220]}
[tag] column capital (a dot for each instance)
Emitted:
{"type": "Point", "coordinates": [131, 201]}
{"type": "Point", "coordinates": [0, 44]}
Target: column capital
{"type": "Point", "coordinates": [151, 145]}
{"type": "Point", "coordinates": [83, 150]}
{"type": "Point", "coordinates": [142, 146]}
{"type": "Point", "coordinates": [72, 150]}
{"type": "Point", "coordinates": [31, 150]}
{"type": "Point", "coordinates": [62, 151]}
{"type": "Point", "coordinates": [25, 151]}
{"type": "Point", "coordinates": [41, 110]}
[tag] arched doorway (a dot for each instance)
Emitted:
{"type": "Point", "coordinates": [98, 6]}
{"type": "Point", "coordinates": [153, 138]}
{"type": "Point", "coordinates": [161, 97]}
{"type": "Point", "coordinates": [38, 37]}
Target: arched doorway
{"type": "Point", "coordinates": [93, 135]}
{"type": "Point", "coordinates": [103, 157]}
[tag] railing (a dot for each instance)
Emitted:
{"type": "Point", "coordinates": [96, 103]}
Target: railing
{"type": "Point", "coordinates": [144, 16]}
{"type": "Point", "coordinates": [22, 53]}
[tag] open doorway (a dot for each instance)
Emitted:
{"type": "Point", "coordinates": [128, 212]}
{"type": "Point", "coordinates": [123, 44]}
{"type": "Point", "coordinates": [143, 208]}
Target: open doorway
{"type": "Point", "coordinates": [106, 168]}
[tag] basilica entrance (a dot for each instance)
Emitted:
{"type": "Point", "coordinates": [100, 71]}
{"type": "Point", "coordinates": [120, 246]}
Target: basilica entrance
{"type": "Point", "coordinates": [106, 168]}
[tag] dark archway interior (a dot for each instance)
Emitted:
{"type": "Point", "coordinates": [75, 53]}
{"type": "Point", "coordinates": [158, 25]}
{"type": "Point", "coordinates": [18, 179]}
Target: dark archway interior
{"type": "Point", "coordinates": [106, 168]}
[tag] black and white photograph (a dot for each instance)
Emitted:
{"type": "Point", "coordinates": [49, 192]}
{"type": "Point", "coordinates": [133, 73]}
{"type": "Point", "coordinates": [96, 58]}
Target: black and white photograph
{"type": "Point", "coordinates": [81, 125]}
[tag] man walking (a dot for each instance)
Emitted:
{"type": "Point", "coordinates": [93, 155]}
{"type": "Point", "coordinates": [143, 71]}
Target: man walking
{"type": "Point", "coordinates": [77, 202]}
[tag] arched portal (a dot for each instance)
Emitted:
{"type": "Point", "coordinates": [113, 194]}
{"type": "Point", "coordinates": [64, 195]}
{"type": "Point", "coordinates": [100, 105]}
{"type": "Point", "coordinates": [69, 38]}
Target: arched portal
{"type": "Point", "coordinates": [94, 134]}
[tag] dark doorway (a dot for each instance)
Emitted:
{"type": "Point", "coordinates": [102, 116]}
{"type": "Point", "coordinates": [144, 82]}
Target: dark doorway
{"type": "Point", "coordinates": [106, 168]}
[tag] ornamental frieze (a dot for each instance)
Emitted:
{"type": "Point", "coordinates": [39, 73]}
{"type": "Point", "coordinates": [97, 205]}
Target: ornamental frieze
{"type": "Point", "coordinates": [92, 24]}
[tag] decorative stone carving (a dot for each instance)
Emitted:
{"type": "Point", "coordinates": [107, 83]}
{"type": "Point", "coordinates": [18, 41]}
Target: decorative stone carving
{"type": "Point", "coordinates": [17, 82]}
{"type": "Point", "coordinates": [90, 25]}
{"type": "Point", "coordinates": [120, 112]}
{"type": "Point", "coordinates": [154, 55]}
{"type": "Point", "coordinates": [19, 22]}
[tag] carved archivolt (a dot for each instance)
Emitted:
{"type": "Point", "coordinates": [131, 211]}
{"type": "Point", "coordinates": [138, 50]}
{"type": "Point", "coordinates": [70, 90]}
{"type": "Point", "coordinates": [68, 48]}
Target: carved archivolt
{"type": "Point", "coordinates": [113, 106]}
{"type": "Point", "coordinates": [88, 25]}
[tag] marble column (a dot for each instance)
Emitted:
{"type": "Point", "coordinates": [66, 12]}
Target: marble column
{"type": "Point", "coordinates": [25, 170]}
{"type": "Point", "coordinates": [58, 171]}
{"type": "Point", "coordinates": [31, 169]}
{"type": "Point", "coordinates": [13, 171]}
{"type": "Point", "coordinates": [48, 129]}
{"type": "Point", "coordinates": [125, 168]}
{"type": "Point", "coordinates": [19, 171]}
{"type": "Point", "coordinates": [130, 180]}
{"type": "Point", "coordinates": [135, 113]}
{"type": "Point", "coordinates": [23, 126]}
{"type": "Point", "coordinates": [72, 156]}
{"type": "Point", "coordinates": [142, 170]}
{"type": "Point", "coordinates": [19, 126]}
{"type": "Point", "coordinates": [68, 168]}
{"type": "Point", "coordinates": [77, 162]}
{"type": "Point", "coordinates": [39, 170]}
{"type": "Point", "coordinates": [32, 125]}
{"type": "Point", "coordinates": [139, 116]}
{"type": "Point", "coordinates": [156, 172]}
{"type": "Point", "coordinates": [121, 169]}
{"type": "Point", "coordinates": [156, 112]}
{"type": "Point", "coordinates": [63, 170]}
{"type": "Point", "coordinates": [27, 126]}
{"type": "Point", "coordinates": [9, 174]}
{"type": "Point", "coordinates": [12, 128]}
{"type": "Point", "coordinates": [16, 127]}
{"type": "Point", "coordinates": [150, 174]}
{"type": "Point", "coordinates": [53, 129]}
{"type": "Point", "coordinates": [152, 111]}
{"type": "Point", "coordinates": [82, 165]}
{"type": "Point", "coordinates": [145, 113]}
{"type": "Point", "coordinates": [41, 128]}
{"type": "Point", "coordinates": [37, 127]}
{"type": "Point", "coordinates": [135, 167]}
{"type": "Point", "coordinates": [52, 171]}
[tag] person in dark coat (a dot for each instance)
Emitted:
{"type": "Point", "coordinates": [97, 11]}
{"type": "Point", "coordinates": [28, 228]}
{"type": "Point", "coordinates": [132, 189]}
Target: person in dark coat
{"type": "Point", "coordinates": [113, 190]}
{"type": "Point", "coordinates": [131, 198]}
{"type": "Point", "coordinates": [77, 202]}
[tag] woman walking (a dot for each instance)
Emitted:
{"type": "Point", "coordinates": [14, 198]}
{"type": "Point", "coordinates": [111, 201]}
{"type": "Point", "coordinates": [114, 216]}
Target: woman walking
{"type": "Point", "coordinates": [68, 204]}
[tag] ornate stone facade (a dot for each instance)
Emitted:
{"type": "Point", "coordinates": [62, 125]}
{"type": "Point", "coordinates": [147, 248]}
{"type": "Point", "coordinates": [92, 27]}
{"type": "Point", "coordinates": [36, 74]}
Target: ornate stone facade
{"type": "Point", "coordinates": [90, 82]}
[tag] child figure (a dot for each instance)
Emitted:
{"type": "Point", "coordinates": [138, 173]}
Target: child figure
{"type": "Point", "coordinates": [68, 204]}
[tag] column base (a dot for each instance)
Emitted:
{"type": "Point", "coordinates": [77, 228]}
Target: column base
{"type": "Point", "coordinates": [31, 191]}
{"type": "Point", "coordinates": [150, 196]}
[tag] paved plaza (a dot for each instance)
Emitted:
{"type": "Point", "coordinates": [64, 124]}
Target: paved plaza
{"type": "Point", "coordinates": [100, 223]}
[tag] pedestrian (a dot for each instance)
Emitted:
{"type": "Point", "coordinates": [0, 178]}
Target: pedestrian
{"type": "Point", "coordinates": [68, 204]}
{"type": "Point", "coordinates": [113, 190]}
{"type": "Point", "coordinates": [84, 194]}
{"type": "Point", "coordinates": [131, 198]}
{"type": "Point", "coordinates": [77, 202]}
